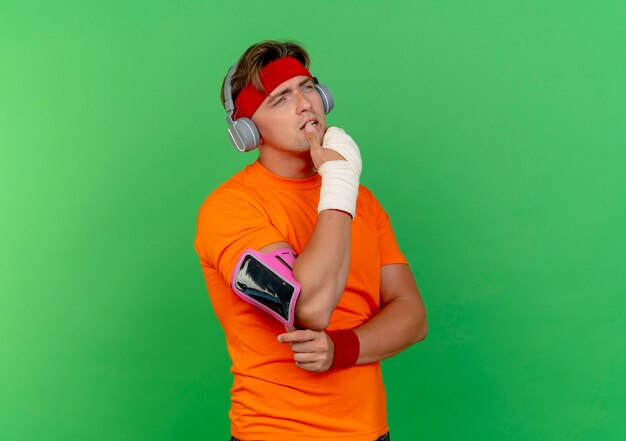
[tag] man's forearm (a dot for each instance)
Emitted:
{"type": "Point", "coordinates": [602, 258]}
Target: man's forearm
{"type": "Point", "coordinates": [390, 332]}
{"type": "Point", "coordinates": [400, 323]}
{"type": "Point", "coordinates": [322, 269]}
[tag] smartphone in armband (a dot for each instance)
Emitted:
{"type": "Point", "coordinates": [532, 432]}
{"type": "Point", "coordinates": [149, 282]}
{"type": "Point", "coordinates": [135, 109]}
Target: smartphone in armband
{"type": "Point", "coordinates": [266, 281]}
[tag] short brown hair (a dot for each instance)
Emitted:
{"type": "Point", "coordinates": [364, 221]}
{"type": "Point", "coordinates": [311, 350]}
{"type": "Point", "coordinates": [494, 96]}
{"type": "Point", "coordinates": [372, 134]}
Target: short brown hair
{"type": "Point", "coordinates": [256, 57]}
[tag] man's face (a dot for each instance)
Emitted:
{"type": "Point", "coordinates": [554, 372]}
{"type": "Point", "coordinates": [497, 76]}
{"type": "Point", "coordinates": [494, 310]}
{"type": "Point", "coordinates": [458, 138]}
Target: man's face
{"type": "Point", "coordinates": [282, 116]}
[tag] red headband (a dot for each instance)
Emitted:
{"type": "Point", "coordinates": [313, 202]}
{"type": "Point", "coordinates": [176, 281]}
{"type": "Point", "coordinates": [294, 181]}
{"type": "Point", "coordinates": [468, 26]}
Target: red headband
{"type": "Point", "coordinates": [271, 76]}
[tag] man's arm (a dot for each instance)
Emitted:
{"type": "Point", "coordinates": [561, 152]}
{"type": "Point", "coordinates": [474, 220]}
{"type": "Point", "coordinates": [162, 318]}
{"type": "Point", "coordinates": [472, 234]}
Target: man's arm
{"type": "Point", "coordinates": [322, 266]}
{"type": "Point", "coordinates": [400, 323]}
{"type": "Point", "coordinates": [321, 269]}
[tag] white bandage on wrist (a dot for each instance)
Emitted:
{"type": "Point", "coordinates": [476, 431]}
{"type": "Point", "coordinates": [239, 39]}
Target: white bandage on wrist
{"type": "Point", "coordinates": [340, 187]}
{"type": "Point", "coordinates": [340, 179]}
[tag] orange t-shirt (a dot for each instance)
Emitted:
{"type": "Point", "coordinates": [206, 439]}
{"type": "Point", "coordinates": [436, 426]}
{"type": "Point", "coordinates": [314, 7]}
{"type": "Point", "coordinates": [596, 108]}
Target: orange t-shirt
{"type": "Point", "coordinates": [272, 399]}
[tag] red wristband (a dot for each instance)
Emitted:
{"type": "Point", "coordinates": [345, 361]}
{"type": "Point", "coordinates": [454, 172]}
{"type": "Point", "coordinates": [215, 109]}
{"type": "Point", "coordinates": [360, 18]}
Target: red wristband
{"type": "Point", "coordinates": [347, 348]}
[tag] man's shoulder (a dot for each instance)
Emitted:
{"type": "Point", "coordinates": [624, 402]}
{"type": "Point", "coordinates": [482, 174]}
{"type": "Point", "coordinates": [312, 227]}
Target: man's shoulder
{"type": "Point", "coordinates": [236, 191]}
{"type": "Point", "coordinates": [367, 196]}
{"type": "Point", "coordinates": [365, 190]}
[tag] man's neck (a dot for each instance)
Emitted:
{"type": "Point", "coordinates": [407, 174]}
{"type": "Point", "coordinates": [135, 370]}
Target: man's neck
{"type": "Point", "coordinates": [287, 164]}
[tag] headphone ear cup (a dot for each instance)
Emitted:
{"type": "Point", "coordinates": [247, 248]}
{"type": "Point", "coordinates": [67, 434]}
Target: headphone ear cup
{"type": "Point", "coordinates": [327, 97]}
{"type": "Point", "coordinates": [243, 134]}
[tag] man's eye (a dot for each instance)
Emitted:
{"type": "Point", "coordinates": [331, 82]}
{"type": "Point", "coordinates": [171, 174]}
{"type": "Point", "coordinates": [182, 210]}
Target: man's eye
{"type": "Point", "coordinates": [279, 100]}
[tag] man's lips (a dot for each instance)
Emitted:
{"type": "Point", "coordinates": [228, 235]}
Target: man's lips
{"type": "Point", "coordinates": [308, 121]}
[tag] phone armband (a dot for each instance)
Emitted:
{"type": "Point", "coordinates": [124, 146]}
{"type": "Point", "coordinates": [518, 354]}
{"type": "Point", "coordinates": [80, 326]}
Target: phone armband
{"type": "Point", "coordinates": [266, 281]}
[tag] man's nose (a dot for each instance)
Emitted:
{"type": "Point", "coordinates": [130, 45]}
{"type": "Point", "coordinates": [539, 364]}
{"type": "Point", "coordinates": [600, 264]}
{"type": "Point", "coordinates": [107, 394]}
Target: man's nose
{"type": "Point", "coordinates": [302, 102]}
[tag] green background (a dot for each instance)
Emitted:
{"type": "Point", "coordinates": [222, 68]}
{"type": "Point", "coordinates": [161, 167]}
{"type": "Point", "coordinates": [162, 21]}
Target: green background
{"type": "Point", "coordinates": [492, 131]}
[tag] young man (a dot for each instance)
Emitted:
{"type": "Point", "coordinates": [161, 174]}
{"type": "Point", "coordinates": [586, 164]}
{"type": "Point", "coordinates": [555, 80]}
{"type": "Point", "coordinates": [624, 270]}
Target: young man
{"type": "Point", "coordinates": [321, 255]}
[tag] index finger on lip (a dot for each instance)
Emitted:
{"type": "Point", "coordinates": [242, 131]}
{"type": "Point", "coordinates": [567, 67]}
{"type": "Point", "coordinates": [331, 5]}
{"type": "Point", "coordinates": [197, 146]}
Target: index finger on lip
{"type": "Point", "coordinates": [311, 136]}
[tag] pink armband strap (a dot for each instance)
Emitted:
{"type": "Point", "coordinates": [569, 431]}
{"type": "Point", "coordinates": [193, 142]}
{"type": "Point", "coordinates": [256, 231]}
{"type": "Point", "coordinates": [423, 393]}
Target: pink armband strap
{"type": "Point", "coordinates": [347, 348]}
{"type": "Point", "coordinates": [266, 281]}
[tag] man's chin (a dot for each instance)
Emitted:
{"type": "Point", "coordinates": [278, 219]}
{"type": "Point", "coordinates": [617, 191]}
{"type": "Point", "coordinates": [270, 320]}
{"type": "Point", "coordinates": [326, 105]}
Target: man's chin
{"type": "Point", "coordinates": [301, 148]}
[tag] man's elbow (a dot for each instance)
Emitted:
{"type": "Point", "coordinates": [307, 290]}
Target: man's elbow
{"type": "Point", "coordinates": [313, 312]}
{"type": "Point", "coordinates": [422, 333]}
{"type": "Point", "coordinates": [311, 317]}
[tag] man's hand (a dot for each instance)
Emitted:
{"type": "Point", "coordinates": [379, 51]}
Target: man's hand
{"type": "Point", "coordinates": [339, 164]}
{"type": "Point", "coordinates": [319, 155]}
{"type": "Point", "coordinates": [312, 350]}
{"type": "Point", "coordinates": [338, 140]}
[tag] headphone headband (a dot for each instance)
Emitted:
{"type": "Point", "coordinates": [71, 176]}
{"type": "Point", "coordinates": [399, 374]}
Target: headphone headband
{"type": "Point", "coordinates": [228, 90]}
